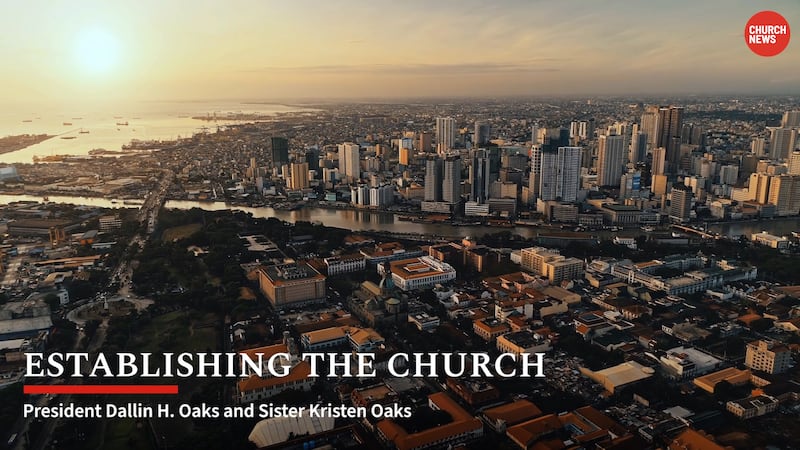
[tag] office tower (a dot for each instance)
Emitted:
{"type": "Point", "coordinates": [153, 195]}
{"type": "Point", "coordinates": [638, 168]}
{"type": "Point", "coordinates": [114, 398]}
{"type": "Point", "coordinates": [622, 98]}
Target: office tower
{"type": "Point", "coordinates": [659, 161]}
{"type": "Point", "coordinates": [728, 174]}
{"type": "Point", "coordinates": [630, 184]}
{"type": "Point", "coordinates": [681, 204]}
{"type": "Point", "coordinates": [535, 134]}
{"type": "Point", "coordinates": [560, 174]}
{"type": "Point", "coordinates": [758, 188]}
{"type": "Point", "coordinates": [312, 158]}
{"type": "Point", "coordinates": [670, 121]}
{"type": "Point", "coordinates": [581, 130]}
{"type": "Point", "coordinates": [784, 193]}
{"type": "Point", "coordinates": [790, 119]}
{"type": "Point", "coordinates": [482, 131]}
{"type": "Point", "coordinates": [758, 146]}
{"type": "Point", "coordinates": [445, 134]}
{"type": "Point", "coordinates": [495, 156]}
{"type": "Point", "coordinates": [517, 161]}
{"type": "Point", "coordinates": [433, 179]}
{"type": "Point", "coordinates": [451, 184]}
{"type": "Point", "coordinates": [299, 176]}
{"type": "Point", "coordinates": [638, 149]}
{"type": "Point", "coordinates": [610, 159]}
{"type": "Point", "coordinates": [349, 160]}
{"type": "Point", "coordinates": [425, 142]}
{"type": "Point", "coordinates": [405, 156]}
{"type": "Point", "coordinates": [650, 126]}
{"type": "Point", "coordinates": [536, 170]}
{"type": "Point", "coordinates": [479, 176]}
{"type": "Point", "coordinates": [768, 356]}
{"type": "Point", "coordinates": [279, 151]}
{"type": "Point", "coordinates": [782, 142]}
{"type": "Point", "coordinates": [794, 163]}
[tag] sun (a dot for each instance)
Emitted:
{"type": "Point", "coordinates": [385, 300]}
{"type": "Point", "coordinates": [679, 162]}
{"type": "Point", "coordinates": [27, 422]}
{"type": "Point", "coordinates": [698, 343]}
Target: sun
{"type": "Point", "coordinates": [96, 51]}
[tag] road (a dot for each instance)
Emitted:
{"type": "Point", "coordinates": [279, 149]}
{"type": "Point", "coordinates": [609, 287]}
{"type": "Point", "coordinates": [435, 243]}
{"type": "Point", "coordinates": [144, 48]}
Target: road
{"type": "Point", "coordinates": [122, 275]}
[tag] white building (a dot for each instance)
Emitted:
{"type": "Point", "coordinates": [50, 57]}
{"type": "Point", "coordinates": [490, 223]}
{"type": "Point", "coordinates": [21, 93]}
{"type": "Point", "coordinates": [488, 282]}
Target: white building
{"type": "Point", "coordinates": [345, 264]}
{"type": "Point", "coordinates": [419, 273]}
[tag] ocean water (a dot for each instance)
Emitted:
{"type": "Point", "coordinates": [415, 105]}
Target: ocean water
{"type": "Point", "coordinates": [146, 121]}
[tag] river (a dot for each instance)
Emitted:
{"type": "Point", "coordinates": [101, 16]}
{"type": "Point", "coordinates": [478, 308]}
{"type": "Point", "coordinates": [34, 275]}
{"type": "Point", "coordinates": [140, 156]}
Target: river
{"type": "Point", "coordinates": [381, 221]}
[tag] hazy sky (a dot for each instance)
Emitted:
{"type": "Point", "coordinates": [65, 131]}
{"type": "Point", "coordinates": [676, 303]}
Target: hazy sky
{"type": "Point", "coordinates": [260, 49]}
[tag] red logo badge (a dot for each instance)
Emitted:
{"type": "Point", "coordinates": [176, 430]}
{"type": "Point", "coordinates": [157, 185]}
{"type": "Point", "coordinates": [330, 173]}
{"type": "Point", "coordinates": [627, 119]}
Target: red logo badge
{"type": "Point", "coordinates": [767, 33]}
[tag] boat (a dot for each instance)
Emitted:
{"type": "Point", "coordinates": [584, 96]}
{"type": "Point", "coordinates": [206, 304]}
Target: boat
{"type": "Point", "coordinates": [83, 131]}
{"type": "Point", "coordinates": [69, 137]}
{"type": "Point", "coordinates": [67, 124]}
{"type": "Point", "coordinates": [77, 118]}
{"type": "Point", "coordinates": [28, 120]}
{"type": "Point", "coordinates": [123, 124]}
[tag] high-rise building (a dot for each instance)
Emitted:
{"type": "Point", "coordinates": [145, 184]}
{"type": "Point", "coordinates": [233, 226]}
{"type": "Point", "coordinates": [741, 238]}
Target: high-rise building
{"type": "Point", "coordinates": [425, 142]}
{"type": "Point", "coordinates": [479, 177]}
{"type": "Point", "coordinates": [637, 149]}
{"type": "Point", "coordinates": [630, 184]}
{"type": "Point", "coordinates": [536, 170]}
{"type": "Point", "coordinates": [535, 134]}
{"type": "Point", "coordinates": [433, 179]}
{"type": "Point", "coordinates": [312, 158]}
{"type": "Point", "coordinates": [758, 189]}
{"type": "Point", "coordinates": [681, 204]}
{"type": "Point", "coordinates": [758, 146]}
{"type": "Point", "coordinates": [279, 151]}
{"type": "Point", "coordinates": [659, 161]}
{"type": "Point", "coordinates": [670, 121]}
{"type": "Point", "coordinates": [650, 126]}
{"type": "Point", "coordinates": [560, 174]}
{"type": "Point", "coordinates": [610, 159]}
{"type": "Point", "coordinates": [794, 163]}
{"type": "Point", "coordinates": [349, 160]}
{"type": "Point", "coordinates": [299, 176]}
{"type": "Point", "coordinates": [451, 184]}
{"type": "Point", "coordinates": [791, 119]}
{"type": "Point", "coordinates": [445, 134]}
{"type": "Point", "coordinates": [768, 356]}
{"type": "Point", "coordinates": [782, 142]}
{"type": "Point", "coordinates": [482, 131]}
{"type": "Point", "coordinates": [404, 156]}
{"type": "Point", "coordinates": [728, 174]}
{"type": "Point", "coordinates": [784, 193]}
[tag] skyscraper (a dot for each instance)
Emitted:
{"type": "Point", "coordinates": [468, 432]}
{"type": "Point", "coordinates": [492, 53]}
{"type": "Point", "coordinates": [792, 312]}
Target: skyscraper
{"type": "Point", "coordinates": [312, 158]}
{"type": "Point", "coordinates": [784, 193]}
{"type": "Point", "coordinates": [638, 148]}
{"type": "Point", "coordinates": [445, 134]}
{"type": "Point", "coordinates": [794, 163]}
{"type": "Point", "coordinates": [536, 170]}
{"type": "Point", "coordinates": [758, 187]}
{"type": "Point", "coordinates": [349, 160]}
{"type": "Point", "coordinates": [758, 146]}
{"type": "Point", "coordinates": [299, 176]}
{"type": "Point", "coordinates": [610, 160]}
{"type": "Point", "coordinates": [451, 185]}
{"type": "Point", "coordinates": [681, 204]}
{"type": "Point", "coordinates": [782, 142]}
{"type": "Point", "coordinates": [670, 120]}
{"type": "Point", "coordinates": [482, 130]}
{"type": "Point", "coordinates": [433, 179]}
{"type": "Point", "coordinates": [479, 176]}
{"type": "Point", "coordinates": [791, 119]}
{"type": "Point", "coordinates": [659, 161]}
{"type": "Point", "coordinates": [425, 142]}
{"type": "Point", "coordinates": [560, 174]}
{"type": "Point", "coordinates": [279, 151]}
{"type": "Point", "coordinates": [650, 126]}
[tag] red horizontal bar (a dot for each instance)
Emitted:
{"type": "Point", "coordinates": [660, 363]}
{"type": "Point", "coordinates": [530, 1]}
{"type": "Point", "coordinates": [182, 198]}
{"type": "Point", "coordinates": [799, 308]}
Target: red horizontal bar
{"type": "Point", "coordinates": [100, 389]}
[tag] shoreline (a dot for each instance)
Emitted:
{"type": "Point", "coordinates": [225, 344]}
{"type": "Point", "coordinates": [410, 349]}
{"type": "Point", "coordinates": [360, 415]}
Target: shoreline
{"type": "Point", "coordinates": [15, 143]}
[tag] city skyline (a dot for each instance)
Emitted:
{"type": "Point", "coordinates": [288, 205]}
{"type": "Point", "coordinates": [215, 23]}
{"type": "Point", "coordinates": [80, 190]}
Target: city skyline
{"type": "Point", "coordinates": [98, 52]}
